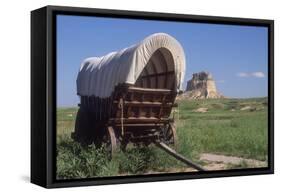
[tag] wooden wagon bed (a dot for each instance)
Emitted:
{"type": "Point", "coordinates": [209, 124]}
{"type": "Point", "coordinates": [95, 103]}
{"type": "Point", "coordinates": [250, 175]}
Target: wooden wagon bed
{"type": "Point", "coordinates": [138, 115]}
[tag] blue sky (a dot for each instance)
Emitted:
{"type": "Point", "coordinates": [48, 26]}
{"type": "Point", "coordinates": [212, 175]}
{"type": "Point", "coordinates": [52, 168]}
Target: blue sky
{"type": "Point", "coordinates": [235, 55]}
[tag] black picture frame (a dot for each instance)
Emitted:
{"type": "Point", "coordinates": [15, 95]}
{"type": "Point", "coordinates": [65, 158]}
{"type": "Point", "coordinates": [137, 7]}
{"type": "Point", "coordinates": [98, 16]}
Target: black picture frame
{"type": "Point", "coordinates": [43, 95]}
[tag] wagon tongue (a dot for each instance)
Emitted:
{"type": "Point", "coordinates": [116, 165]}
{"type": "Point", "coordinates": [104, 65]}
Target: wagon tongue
{"type": "Point", "coordinates": [178, 156]}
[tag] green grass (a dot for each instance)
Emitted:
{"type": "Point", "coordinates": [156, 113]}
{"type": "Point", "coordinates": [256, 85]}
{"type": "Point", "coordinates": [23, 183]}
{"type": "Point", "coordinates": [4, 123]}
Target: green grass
{"type": "Point", "coordinates": [224, 129]}
{"type": "Point", "coordinates": [75, 161]}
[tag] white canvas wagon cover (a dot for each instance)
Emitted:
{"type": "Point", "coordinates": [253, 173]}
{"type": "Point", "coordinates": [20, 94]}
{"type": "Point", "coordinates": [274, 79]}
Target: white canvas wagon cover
{"type": "Point", "coordinates": [98, 76]}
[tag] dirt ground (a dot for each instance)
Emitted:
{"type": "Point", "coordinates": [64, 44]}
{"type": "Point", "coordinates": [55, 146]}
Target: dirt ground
{"type": "Point", "coordinates": [220, 162]}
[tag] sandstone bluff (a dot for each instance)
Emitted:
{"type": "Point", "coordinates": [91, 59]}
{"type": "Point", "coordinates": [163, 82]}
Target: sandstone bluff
{"type": "Point", "coordinates": [201, 86]}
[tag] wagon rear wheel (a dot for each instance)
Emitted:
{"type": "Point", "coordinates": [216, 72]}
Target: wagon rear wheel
{"type": "Point", "coordinates": [170, 135]}
{"type": "Point", "coordinates": [109, 141]}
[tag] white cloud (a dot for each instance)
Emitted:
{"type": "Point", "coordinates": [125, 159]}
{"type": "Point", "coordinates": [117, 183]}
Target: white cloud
{"type": "Point", "coordinates": [257, 74]}
{"type": "Point", "coordinates": [243, 74]}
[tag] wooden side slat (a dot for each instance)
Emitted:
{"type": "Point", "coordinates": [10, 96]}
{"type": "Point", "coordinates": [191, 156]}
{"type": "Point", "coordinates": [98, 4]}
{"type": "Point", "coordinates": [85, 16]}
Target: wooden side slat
{"type": "Point", "coordinates": [152, 104]}
{"type": "Point", "coordinates": [148, 90]}
{"type": "Point", "coordinates": [140, 120]}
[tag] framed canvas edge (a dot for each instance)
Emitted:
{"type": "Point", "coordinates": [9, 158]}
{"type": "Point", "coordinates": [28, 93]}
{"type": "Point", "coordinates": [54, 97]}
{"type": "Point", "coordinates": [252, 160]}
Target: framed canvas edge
{"type": "Point", "coordinates": [38, 95]}
{"type": "Point", "coordinates": [51, 181]}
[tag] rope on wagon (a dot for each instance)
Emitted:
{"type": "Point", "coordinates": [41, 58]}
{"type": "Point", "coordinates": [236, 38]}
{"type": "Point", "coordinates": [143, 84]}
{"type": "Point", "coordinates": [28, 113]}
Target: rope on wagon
{"type": "Point", "coordinates": [122, 115]}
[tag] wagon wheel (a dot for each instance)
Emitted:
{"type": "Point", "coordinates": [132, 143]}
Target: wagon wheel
{"type": "Point", "coordinates": [110, 141]}
{"type": "Point", "coordinates": [170, 135]}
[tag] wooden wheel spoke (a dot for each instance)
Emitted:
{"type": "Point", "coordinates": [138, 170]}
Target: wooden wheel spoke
{"type": "Point", "coordinates": [169, 134]}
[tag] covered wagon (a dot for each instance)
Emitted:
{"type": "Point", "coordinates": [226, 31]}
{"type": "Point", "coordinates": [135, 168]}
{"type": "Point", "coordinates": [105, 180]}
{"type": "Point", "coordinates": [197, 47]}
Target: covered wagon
{"type": "Point", "coordinates": [127, 96]}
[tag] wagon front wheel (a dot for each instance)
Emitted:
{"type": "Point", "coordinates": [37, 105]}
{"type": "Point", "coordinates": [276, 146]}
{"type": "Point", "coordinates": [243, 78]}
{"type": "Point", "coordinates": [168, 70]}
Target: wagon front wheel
{"type": "Point", "coordinates": [170, 135]}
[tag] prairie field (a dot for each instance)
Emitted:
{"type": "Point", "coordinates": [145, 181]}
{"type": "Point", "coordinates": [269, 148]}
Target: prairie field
{"type": "Point", "coordinates": [233, 128]}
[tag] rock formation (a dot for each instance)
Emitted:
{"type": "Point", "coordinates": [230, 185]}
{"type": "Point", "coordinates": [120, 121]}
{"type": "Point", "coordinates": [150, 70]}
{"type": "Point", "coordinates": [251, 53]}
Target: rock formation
{"type": "Point", "coordinates": [202, 85]}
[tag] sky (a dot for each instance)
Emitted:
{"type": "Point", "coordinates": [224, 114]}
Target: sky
{"type": "Point", "coordinates": [236, 56]}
